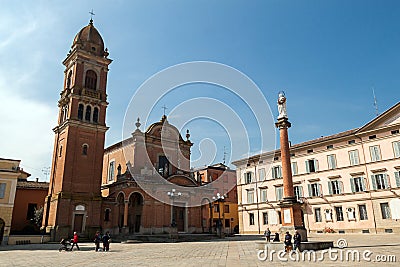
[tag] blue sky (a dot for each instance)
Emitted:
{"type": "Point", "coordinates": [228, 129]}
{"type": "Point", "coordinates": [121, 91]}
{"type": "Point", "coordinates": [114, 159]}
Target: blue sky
{"type": "Point", "coordinates": [326, 55]}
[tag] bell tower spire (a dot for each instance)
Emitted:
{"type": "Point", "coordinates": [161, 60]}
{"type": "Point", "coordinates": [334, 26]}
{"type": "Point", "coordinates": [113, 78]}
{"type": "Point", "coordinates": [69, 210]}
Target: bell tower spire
{"type": "Point", "coordinates": [74, 198]}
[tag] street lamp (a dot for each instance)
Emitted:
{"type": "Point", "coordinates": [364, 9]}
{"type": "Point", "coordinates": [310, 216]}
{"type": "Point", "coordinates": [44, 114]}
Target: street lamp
{"type": "Point", "coordinates": [172, 195]}
{"type": "Point", "coordinates": [219, 198]}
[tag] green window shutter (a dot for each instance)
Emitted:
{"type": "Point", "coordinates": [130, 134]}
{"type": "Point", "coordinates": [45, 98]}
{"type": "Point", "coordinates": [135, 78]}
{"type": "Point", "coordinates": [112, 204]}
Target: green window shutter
{"type": "Point", "coordinates": [373, 180]}
{"type": "Point", "coordinates": [300, 191]}
{"type": "Point", "coordinates": [396, 146]}
{"type": "Point", "coordinates": [309, 190]}
{"type": "Point", "coordinates": [316, 165]}
{"type": "Point", "coordinates": [397, 176]}
{"type": "Point", "coordinates": [280, 172]}
{"type": "Point", "coordinates": [273, 173]}
{"type": "Point", "coordinates": [307, 167]}
{"type": "Point", "coordinates": [341, 189]}
{"type": "Point", "coordinates": [386, 180]}
{"type": "Point", "coordinates": [364, 188]}
{"type": "Point", "coordinates": [2, 189]}
{"type": "Point", "coordinates": [319, 187]}
{"type": "Point", "coordinates": [330, 187]}
{"type": "Point", "coordinates": [352, 185]}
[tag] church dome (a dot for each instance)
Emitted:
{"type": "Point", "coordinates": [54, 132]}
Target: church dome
{"type": "Point", "coordinates": [90, 40]}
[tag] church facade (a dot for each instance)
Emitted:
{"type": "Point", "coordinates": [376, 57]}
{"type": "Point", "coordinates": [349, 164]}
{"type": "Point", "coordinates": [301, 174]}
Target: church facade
{"type": "Point", "coordinates": [141, 185]}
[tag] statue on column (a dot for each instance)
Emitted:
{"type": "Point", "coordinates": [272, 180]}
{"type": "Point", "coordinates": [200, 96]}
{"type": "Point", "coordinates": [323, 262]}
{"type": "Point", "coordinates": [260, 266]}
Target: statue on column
{"type": "Point", "coordinates": [282, 106]}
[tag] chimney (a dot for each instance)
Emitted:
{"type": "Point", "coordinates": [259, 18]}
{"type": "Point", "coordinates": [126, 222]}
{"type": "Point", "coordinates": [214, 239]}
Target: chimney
{"type": "Point", "coordinates": [37, 180]}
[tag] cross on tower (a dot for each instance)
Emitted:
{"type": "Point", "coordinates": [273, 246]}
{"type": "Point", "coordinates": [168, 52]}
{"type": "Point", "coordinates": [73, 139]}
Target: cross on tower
{"type": "Point", "coordinates": [165, 108]}
{"type": "Point", "coordinates": [91, 14]}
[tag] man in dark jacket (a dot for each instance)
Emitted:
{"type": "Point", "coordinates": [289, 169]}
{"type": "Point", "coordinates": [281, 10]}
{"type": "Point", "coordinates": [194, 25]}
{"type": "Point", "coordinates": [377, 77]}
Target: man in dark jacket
{"type": "Point", "coordinates": [296, 240]}
{"type": "Point", "coordinates": [288, 242]}
{"type": "Point", "coordinates": [106, 241]}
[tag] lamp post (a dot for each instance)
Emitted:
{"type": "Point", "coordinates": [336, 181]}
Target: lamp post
{"type": "Point", "coordinates": [172, 195]}
{"type": "Point", "coordinates": [219, 198]}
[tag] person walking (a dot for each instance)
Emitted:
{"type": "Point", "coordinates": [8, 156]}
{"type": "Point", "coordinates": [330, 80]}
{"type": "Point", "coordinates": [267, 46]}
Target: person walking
{"type": "Point", "coordinates": [106, 241]}
{"type": "Point", "coordinates": [267, 235]}
{"type": "Point", "coordinates": [288, 242]}
{"type": "Point", "coordinates": [97, 240]}
{"type": "Point", "coordinates": [75, 241]}
{"type": "Point", "coordinates": [296, 240]}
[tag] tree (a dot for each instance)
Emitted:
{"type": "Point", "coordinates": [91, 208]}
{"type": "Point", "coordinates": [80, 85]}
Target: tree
{"type": "Point", "coordinates": [38, 216]}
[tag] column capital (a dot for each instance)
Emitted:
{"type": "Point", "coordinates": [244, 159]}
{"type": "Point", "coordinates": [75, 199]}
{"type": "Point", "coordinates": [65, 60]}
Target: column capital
{"type": "Point", "coordinates": [283, 123]}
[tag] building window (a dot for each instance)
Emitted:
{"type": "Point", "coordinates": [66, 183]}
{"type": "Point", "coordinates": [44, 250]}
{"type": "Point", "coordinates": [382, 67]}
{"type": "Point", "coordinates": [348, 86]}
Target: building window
{"type": "Point", "coordinates": [251, 218]}
{"type": "Point", "coordinates": [279, 193]}
{"type": "Point", "coordinates": [354, 159]}
{"type": "Point", "coordinates": [397, 177]}
{"type": "Point", "coordinates": [298, 191]}
{"type": "Point", "coordinates": [69, 79]}
{"type": "Point", "coordinates": [60, 151]}
{"type": "Point", "coordinates": [339, 214]}
{"type": "Point", "coordinates": [263, 195]}
{"type": "Point", "coordinates": [2, 190]}
{"type": "Point", "coordinates": [394, 132]}
{"type": "Point", "coordinates": [96, 115]}
{"type": "Point", "coordinates": [396, 148]}
{"type": "Point", "coordinates": [248, 177]}
{"type": "Point", "coordinates": [250, 197]}
{"type": "Point", "coordinates": [334, 187]}
{"type": "Point", "coordinates": [216, 207]}
{"type": "Point", "coordinates": [351, 142]}
{"type": "Point", "coordinates": [107, 215]}
{"type": "Point", "coordinates": [261, 174]}
{"type": "Point", "coordinates": [310, 151]}
{"type": "Point", "coordinates": [314, 190]}
{"type": "Point", "coordinates": [385, 210]}
{"type": "Point", "coordinates": [379, 181]}
{"type": "Point", "coordinates": [80, 111]}
{"type": "Point", "coordinates": [30, 215]}
{"type": "Point", "coordinates": [357, 184]}
{"type": "Point", "coordinates": [375, 153]}
{"type": "Point", "coordinates": [328, 215]}
{"type": "Point", "coordinates": [91, 80]}
{"type": "Point", "coordinates": [372, 136]}
{"type": "Point", "coordinates": [362, 209]}
{"type": "Point", "coordinates": [331, 162]}
{"type": "Point", "coordinates": [329, 146]}
{"type": "Point", "coordinates": [276, 172]}
{"type": "Point", "coordinates": [88, 113]}
{"type": "Point", "coordinates": [311, 165]}
{"type": "Point", "coordinates": [226, 208]}
{"type": "Point", "coordinates": [84, 149]}
{"type": "Point", "coordinates": [265, 218]}
{"type": "Point", "coordinates": [111, 171]}
{"type": "Point", "coordinates": [318, 216]}
{"type": "Point", "coordinates": [294, 168]}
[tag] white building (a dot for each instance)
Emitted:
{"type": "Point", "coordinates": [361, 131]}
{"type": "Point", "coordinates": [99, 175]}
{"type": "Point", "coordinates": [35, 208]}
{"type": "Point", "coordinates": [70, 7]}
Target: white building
{"type": "Point", "coordinates": [348, 182]}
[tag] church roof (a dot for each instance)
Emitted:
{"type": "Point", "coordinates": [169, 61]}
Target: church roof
{"type": "Point", "coordinates": [90, 40]}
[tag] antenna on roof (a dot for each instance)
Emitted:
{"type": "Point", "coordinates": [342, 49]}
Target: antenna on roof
{"type": "Point", "coordinates": [375, 103]}
{"type": "Point", "coordinates": [224, 156]}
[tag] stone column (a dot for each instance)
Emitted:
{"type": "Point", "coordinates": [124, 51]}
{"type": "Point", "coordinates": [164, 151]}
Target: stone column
{"type": "Point", "coordinates": [291, 215]}
{"type": "Point", "coordinates": [125, 228]}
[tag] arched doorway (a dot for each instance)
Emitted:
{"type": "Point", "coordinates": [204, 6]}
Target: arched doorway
{"type": "Point", "coordinates": [206, 215]}
{"type": "Point", "coordinates": [135, 212]}
{"type": "Point", "coordinates": [2, 225]}
{"type": "Point", "coordinates": [120, 204]}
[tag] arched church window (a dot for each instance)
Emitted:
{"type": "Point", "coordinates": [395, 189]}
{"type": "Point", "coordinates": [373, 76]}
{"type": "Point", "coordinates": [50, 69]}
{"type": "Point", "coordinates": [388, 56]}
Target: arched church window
{"type": "Point", "coordinates": [80, 112]}
{"type": "Point", "coordinates": [107, 215]}
{"type": "Point", "coordinates": [91, 80]}
{"type": "Point", "coordinates": [60, 152]}
{"type": "Point", "coordinates": [84, 149]}
{"type": "Point", "coordinates": [88, 113]}
{"type": "Point", "coordinates": [69, 79]}
{"type": "Point", "coordinates": [95, 115]}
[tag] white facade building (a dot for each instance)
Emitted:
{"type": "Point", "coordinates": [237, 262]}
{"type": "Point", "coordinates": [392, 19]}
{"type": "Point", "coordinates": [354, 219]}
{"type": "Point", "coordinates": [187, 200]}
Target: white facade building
{"type": "Point", "coordinates": [348, 182]}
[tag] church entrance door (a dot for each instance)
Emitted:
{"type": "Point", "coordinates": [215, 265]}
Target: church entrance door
{"type": "Point", "coordinates": [180, 218]}
{"type": "Point", "coordinates": [135, 212]}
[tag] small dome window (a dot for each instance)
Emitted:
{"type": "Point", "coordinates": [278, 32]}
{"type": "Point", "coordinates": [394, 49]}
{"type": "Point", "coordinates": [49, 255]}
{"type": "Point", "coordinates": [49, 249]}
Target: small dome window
{"type": "Point", "coordinates": [93, 48]}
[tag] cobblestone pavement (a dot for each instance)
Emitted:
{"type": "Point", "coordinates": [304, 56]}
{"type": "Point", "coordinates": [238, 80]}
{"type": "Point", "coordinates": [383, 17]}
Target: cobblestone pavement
{"type": "Point", "coordinates": [237, 251]}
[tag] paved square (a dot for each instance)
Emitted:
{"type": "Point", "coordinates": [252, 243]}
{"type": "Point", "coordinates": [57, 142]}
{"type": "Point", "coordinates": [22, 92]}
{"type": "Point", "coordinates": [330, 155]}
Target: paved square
{"type": "Point", "coordinates": [237, 251]}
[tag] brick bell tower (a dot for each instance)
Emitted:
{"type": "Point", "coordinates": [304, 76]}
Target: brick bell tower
{"type": "Point", "coordinates": [74, 199]}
